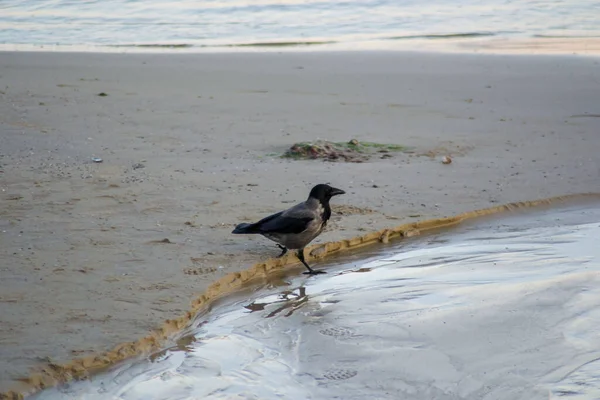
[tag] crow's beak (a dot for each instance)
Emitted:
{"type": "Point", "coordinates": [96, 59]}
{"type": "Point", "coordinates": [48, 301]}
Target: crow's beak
{"type": "Point", "coordinates": [335, 191]}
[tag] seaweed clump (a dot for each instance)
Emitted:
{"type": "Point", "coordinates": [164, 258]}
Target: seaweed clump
{"type": "Point", "coordinates": [351, 151]}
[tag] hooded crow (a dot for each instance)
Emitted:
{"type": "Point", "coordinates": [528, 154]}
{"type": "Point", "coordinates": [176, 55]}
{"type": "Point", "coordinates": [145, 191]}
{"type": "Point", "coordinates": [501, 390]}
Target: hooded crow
{"type": "Point", "coordinates": [296, 227]}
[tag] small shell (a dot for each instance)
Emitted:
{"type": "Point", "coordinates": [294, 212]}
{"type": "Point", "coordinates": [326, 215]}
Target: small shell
{"type": "Point", "coordinates": [446, 160]}
{"type": "Point", "coordinates": [97, 159]}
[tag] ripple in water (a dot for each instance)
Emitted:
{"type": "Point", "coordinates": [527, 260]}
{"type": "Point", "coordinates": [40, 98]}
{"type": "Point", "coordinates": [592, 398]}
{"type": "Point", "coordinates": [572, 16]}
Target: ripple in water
{"type": "Point", "coordinates": [500, 309]}
{"type": "Point", "coordinates": [184, 24]}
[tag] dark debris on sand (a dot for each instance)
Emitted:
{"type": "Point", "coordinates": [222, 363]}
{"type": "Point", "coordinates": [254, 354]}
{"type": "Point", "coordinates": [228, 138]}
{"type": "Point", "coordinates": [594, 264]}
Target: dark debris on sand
{"type": "Point", "coordinates": [352, 151]}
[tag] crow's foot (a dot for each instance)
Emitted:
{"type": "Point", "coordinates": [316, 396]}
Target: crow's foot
{"type": "Point", "coordinates": [284, 250]}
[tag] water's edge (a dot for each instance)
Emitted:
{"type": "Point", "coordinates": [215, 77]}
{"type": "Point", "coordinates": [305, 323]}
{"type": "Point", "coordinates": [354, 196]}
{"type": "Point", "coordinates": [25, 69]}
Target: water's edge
{"type": "Point", "coordinates": [53, 374]}
{"type": "Point", "coordinates": [472, 42]}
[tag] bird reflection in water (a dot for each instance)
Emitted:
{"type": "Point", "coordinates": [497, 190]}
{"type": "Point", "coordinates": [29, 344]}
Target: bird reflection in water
{"type": "Point", "coordinates": [291, 301]}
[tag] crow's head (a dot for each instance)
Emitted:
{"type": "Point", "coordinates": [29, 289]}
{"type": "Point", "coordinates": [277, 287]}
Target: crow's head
{"type": "Point", "coordinates": [324, 193]}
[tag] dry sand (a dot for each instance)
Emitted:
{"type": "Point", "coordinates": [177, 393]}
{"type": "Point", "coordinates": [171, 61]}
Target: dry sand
{"type": "Point", "coordinates": [189, 146]}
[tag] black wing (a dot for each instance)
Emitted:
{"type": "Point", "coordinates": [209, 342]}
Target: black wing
{"type": "Point", "coordinates": [293, 220]}
{"type": "Point", "coordinates": [255, 227]}
{"type": "Point", "coordinates": [285, 224]}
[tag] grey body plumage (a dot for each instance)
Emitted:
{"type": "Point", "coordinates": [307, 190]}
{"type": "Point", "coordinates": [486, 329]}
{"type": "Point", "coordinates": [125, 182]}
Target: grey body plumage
{"type": "Point", "coordinates": [296, 227]}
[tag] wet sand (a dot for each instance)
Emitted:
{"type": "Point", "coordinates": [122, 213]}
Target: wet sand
{"type": "Point", "coordinates": [189, 146]}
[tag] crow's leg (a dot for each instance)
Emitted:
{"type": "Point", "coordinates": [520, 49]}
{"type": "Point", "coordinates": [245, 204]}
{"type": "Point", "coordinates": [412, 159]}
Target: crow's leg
{"type": "Point", "coordinates": [283, 250]}
{"type": "Point", "coordinates": [311, 271]}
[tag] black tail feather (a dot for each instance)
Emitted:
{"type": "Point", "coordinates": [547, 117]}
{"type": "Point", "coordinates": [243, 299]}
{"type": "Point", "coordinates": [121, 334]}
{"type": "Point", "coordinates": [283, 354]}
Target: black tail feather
{"type": "Point", "coordinates": [245, 228]}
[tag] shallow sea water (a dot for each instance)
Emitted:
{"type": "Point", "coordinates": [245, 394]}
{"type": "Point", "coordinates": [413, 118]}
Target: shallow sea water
{"type": "Point", "coordinates": [500, 308]}
{"type": "Point", "coordinates": [222, 23]}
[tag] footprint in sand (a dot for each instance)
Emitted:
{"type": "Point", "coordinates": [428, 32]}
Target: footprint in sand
{"type": "Point", "coordinates": [337, 332]}
{"type": "Point", "coordinates": [340, 374]}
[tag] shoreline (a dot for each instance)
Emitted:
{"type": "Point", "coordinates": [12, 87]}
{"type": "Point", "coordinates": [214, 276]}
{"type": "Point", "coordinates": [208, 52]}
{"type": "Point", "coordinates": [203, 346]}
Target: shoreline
{"type": "Point", "coordinates": [52, 374]}
{"type": "Point", "coordinates": [582, 46]}
{"type": "Point", "coordinates": [190, 146]}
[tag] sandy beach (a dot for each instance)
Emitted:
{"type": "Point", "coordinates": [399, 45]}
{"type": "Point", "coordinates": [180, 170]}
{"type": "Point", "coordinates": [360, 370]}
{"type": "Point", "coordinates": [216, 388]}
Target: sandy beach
{"type": "Point", "coordinates": [95, 254]}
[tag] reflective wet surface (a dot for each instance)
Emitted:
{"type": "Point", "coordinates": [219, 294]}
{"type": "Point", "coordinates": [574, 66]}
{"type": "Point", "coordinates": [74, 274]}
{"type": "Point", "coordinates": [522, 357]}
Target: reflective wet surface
{"type": "Point", "coordinates": [502, 308]}
{"type": "Point", "coordinates": [185, 24]}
